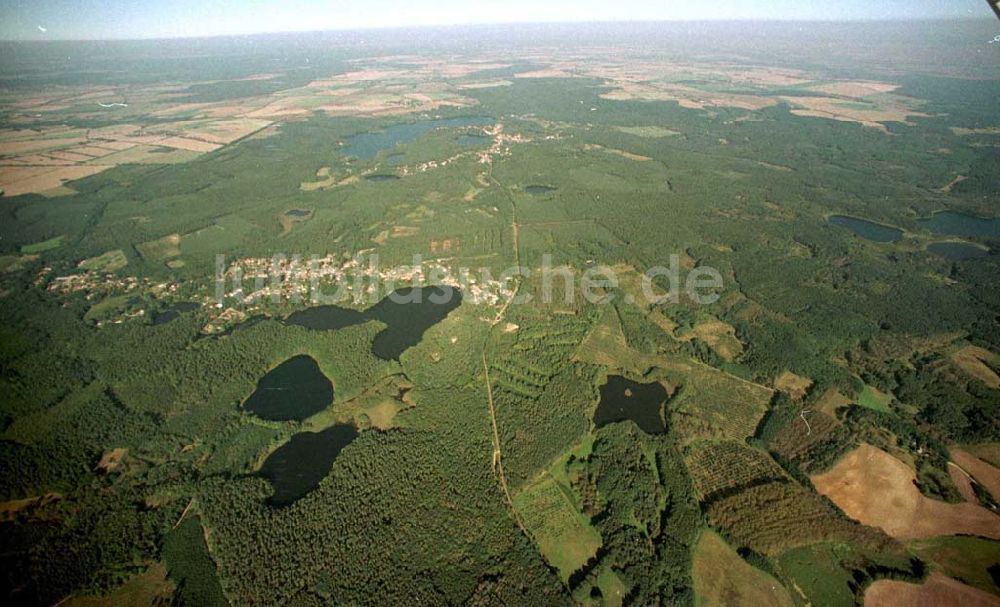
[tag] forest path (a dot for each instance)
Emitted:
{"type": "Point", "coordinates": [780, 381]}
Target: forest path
{"type": "Point", "coordinates": [497, 452]}
{"type": "Point", "coordinates": [497, 455]}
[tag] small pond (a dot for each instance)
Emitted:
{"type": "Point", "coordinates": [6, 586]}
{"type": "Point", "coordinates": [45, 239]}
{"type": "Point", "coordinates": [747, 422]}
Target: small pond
{"type": "Point", "coordinates": [294, 390]}
{"type": "Point", "coordinates": [474, 140]}
{"type": "Point", "coordinates": [366, 146]}
{"type": "Point", "coordinates": [957, 251]}
{"type": "Point", "coordinates": [298, 213]}
{"type": "Point", "coordinates": [962, 224]}
{"type": "Point", "coordinates": [869, 230]}
{"type": "Point", "coordinates": [623, 399]}
{"type": "Point", "coordinates": [298, 466]}
{"type": "Point", "coordinates": [174, 312]}
{"type": "Point", "coordinates": [538, 190]}
{"type": "Point", "coordinates": [381, 177]}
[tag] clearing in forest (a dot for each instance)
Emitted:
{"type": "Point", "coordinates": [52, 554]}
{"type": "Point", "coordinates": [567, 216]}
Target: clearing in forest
{"type": "Point", "coordinates": [793, 385]}
{"type": "Point", "coordinates": [160, 249]}
{"type": "Point", "coordinates": [978, 363]}
{"type": "Point", "coordinates": [649, 132]}
{"type": "Point", "coordinates": [106, 262]}
{"type": "Point", "coordinates": [718, 335]}
{"type": "Point", "coordinates": [874, 399]}
{"type": "Point", "coordinates": [152, 587]}
{"type": "Point", "coordinates": [712, 403]}
{"type": "Point", "coordinates": [564, 535]}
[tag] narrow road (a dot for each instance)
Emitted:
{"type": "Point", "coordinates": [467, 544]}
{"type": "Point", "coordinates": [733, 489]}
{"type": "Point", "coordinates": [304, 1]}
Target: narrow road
{"type": "Point", "coordinates": [497, 456]}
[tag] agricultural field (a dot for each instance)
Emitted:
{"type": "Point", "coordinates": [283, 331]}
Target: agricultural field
{"type": "Point", "coordinates": [963, 558]}
{"type": "Point", "coordinates": [937, 590]}
{"type": "Point", "coordinates": [721, 578]}
{"type": "Point", "coordinates": [629, 314]}
{"type": "Point", "coordinates": [873, 487]}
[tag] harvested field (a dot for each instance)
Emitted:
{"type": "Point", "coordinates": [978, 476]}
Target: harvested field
{"type": "Point", "coordinates": [985, 474]}
{"type": "Point", "coordinates": [148, 154]}
{"type": "Point", "coordinates": [963, 482]}
{"type": "Point", "coordinates": [870, 113]}
{"type": "Point", "coordinates": [861, 88]}
{"type": "Point", "coordinates": [988, 452]}
{"type": "Point", "coordinates": [15, 181]}
{"type": "Point", "coordinates": [192, 145]}
{"type": "Point", "coordinates": [546, 73]}
{"type": "Point", "coordinates": [16, 148]}
{"type": "Point", "coordinates": [937, 591]}
{"type": "Point", "coordinates": [877, 489]}
{"type": "Point", "coordinates": [485, 85]}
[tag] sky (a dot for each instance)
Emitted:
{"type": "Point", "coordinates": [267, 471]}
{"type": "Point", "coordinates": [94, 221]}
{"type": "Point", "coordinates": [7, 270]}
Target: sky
{"type": "Point", "coordinates": [104, 19]}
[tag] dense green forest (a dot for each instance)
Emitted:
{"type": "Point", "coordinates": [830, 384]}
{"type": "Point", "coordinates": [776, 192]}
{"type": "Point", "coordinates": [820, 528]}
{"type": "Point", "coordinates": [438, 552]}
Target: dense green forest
{"type": "Point", "coordinates": [128, 433]}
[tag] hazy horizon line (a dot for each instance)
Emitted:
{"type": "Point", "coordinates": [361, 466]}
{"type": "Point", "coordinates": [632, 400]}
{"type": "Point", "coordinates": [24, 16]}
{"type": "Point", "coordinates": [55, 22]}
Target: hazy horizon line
{"type": "Point", "coordinates": [383, 28]}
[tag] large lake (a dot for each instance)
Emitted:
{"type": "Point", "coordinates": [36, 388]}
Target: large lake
{"type": "Point", "coordinates": [961, 224]}
{"type": "Point", "coordinates": [298, 466]}
{"type": "Point", "coordinates": [957, 251]}
{"type": "Point", "coordinates": [407, 312]}
{"type": "Point", "coordinates": [867, 229]}
{"type": "Point", "coordinates": [366, 146]}
{"type": "Point", "coordinates": [294, 390]}
{"type": "Point", "coordinates": [623, 399]}
{"type": "Point", "coordinates": [326, 318]}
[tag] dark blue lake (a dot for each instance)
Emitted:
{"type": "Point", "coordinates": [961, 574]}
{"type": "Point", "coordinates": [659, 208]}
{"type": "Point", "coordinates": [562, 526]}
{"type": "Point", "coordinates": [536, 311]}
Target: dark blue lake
{"type": "Point", "coordinates": [294, 390]}
{"type": "Point", "coordinates": [298, 466]}
{"type": "Point", "coordinates": [868, 230]}
{"type": "Point", "coordinates": [957, 251]}
{"type": "Point", "coordinates": [366, 146]}
{"type": "Point", "coordinates": [408, 313]}
{"type": "Point", "coordinates": [962, 224]}
{"type": "Point", "coordinates": [623, 399]}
